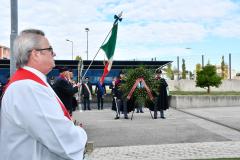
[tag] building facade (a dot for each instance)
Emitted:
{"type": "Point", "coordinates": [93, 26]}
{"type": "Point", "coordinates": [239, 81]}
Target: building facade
{"type": "Point", "coordinates": [95, 70]}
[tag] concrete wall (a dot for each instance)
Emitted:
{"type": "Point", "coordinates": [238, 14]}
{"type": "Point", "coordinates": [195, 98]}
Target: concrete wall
{"type": "Point", "coordinates": [203, 101]}
{"type": "Point", "coordinates": [189, 85]}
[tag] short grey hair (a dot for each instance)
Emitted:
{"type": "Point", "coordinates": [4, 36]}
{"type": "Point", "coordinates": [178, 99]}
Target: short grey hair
{"type": "Point", "coordinates": [28, 40]}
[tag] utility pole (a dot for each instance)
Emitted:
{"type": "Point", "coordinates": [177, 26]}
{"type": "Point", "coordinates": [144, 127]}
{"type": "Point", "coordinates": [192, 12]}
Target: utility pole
{"type": "Point", "coordinates": [230, 66]}
{"type": "Point", "coordinates": [87, 29]}
{"type": "Point", "coordinates": [202, 60]}
{"type": "Point", "coordinates": [178, 76]}
{"type": "Point", "coordinates": [14, 33]}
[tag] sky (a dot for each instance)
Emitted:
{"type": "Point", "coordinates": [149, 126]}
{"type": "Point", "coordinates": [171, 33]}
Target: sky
{"type": "Point", "coordinates": [161, 29]}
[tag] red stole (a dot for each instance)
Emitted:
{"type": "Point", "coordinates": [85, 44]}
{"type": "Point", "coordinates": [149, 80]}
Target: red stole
{"type": "Point", "coordinates": [22, 74]}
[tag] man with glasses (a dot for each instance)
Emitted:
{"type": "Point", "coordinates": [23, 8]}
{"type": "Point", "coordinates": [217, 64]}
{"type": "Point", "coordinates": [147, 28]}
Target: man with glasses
{"type": "Point", "coordinates": [34, 123]}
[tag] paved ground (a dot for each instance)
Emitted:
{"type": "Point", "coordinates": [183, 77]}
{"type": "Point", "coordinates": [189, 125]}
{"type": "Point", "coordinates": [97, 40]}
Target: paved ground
{"type": "Point", "coordinates": [186, 134]}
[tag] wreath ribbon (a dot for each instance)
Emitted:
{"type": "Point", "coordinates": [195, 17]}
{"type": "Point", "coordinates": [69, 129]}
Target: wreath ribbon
{"type": "Point", "coordinates": [145, 86]}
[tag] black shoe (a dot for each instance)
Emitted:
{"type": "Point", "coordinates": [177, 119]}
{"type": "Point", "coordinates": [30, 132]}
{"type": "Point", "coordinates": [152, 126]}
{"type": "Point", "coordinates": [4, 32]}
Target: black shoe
{"type": "Point", "coordinates": [163, 117]}
{"type": "Point", "coordinates": [116, 118]}
{"type": "Point", "coordinates": [125, 117]}
{"type": "Point", "coordinates": [155, 117]}
{"type": "Point", "coordinates": [141, 111]}
{"type": "Point", "coordinates": [137, 112]}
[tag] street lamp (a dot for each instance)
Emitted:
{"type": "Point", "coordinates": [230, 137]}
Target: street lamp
{"type": "Point", "coordinates": [72, 46]}
{"type": "Point", "coordinates": [87, 29]}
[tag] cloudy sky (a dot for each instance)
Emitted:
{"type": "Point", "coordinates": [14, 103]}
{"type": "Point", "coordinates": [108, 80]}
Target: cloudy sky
{"type": "Point", "coordinates": [150, 28]}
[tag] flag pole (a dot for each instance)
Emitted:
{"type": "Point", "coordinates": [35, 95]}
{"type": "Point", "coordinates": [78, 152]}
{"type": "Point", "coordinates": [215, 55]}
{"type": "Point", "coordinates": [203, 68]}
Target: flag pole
{"type": "Point", "coordinates": [117, 18]}
{"type": "Point", "coordinates": [80, 68]}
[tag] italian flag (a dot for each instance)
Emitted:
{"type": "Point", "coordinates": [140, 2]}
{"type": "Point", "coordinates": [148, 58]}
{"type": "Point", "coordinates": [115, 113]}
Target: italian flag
{"type": "Point", "coordinates": [109, 48]}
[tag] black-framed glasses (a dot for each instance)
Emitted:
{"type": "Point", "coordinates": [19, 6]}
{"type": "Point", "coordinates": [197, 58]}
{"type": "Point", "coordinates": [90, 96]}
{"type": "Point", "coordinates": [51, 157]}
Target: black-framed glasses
{"type": "Point", "coordinates": [50, 49]}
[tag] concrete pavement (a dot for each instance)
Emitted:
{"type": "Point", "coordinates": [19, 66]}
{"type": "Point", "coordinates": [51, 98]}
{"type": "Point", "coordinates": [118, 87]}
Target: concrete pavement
{"type": "Point", "coordinates": [186, 134]}
{"type": "Point", "coordinates": [176, 151]}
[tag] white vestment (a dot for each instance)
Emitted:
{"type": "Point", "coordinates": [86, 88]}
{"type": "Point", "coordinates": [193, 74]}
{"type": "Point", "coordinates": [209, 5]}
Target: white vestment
{"type": "Point", "coordinates": [33, 125]}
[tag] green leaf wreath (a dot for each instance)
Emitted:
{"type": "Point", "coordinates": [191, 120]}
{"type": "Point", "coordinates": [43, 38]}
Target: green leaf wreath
{"type": "Point", "coordinates": [140, 95]}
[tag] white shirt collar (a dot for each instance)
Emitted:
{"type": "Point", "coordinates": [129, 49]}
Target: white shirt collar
{"type": "Point", "coordinates": [37, 72]}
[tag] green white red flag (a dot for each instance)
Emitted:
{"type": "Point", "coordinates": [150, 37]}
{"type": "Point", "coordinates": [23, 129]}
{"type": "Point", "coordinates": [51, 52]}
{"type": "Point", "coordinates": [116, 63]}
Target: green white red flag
{"type": "Point", "coordinates": [109, 48]}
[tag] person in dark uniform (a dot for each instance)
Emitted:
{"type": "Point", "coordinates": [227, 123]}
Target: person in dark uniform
{"type": "Point", "coordinates": [114, 98]}
{"type": "Point", "coordinates": [86, 93]}
{"type": "Point", "coordinates": [121, 99]}
{"type": "Point", "coordinates": [64, 89]}
{"type": "Point", "coordinates": [73, 82]}
{"type": "Point", "coordinates": [161, 101]}
{"type": "Point", "coordinates": [100, 90]}
{"type": "Point", "coordinates": [1, 89]}
{"type": "Point", "coordinates": [51, 81]}
{"type": "Point", "coordinates": [139, 107]}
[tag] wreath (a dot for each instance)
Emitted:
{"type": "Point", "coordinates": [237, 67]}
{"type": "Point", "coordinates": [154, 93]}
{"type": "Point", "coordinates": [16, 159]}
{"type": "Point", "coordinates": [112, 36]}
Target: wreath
{"type": "Point", "coordinates": [140, 95]}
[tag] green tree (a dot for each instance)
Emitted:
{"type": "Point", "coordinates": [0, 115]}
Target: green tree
{"type": "Point", "coordinates": [222, 67]}
{"type": "Point", "coordinates": [208, 77]}
{"type": "Point", "coordinates": [78, 58]}
{"type": "Point", "coordinates": [198, 67]}
{"type": "Point", "coordinates": [169, 71]}
{"type": "Point", "coordinates": [191, 75]}
{"type": "Point", "coordinates": [183, 69]}
{"type": "Point", "coordinates": [226, 71]}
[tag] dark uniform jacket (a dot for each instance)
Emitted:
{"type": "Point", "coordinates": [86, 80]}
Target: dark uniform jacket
{"type": "Point", "coordinates": [65, 91]}
{"type": "Point", "coordinates": [85, 92]}
{"type": "Point", "coordinates": [100, 89]}
{"type": "Point", "coordinates": [162, 97]}
{"type": "Point", "coordinates": [118, 92]}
